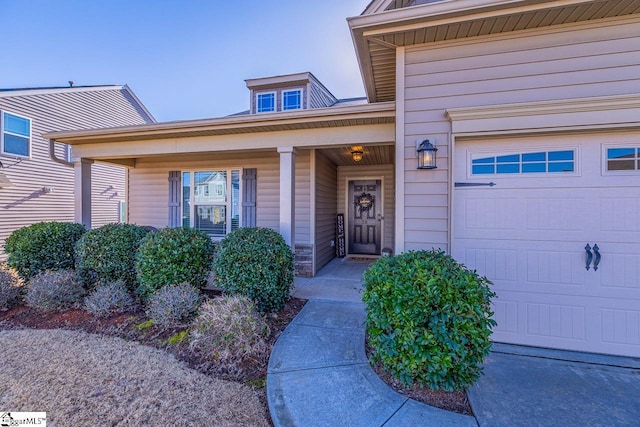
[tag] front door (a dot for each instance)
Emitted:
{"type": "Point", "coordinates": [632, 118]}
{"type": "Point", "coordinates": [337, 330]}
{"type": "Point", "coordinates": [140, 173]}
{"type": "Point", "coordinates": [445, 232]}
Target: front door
{"type": "Point", "coordinates": [365, 212]}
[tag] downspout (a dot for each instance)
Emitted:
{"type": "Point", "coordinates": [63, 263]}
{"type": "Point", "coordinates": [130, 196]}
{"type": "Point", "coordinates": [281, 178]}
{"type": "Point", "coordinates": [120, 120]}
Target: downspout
{"type": "Point", "coordinates": [52, 154]}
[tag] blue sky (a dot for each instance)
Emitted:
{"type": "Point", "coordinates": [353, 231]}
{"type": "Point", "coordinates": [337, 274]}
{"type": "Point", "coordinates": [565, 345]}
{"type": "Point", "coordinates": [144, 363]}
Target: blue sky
{"type": "Point", "coordinates": [184, 59]}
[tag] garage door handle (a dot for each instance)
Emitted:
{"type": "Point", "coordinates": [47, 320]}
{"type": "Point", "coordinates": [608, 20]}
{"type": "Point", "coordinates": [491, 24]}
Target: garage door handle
{"type": "Point", "coordinates": [596, 250]}
{"type": "Point", "coordinates": [589, 256]}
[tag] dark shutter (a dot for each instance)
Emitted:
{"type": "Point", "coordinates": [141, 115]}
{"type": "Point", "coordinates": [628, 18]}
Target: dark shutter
{"type": "Point", "coordinates": [174, 199]}
{"type": "Point", "coordinates": [249, 196]}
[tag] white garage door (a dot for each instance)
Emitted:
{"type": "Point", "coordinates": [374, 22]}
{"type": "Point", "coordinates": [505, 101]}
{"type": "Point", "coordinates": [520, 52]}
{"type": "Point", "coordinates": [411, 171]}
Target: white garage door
{"type": "Point", "coordinates": [552, 197]}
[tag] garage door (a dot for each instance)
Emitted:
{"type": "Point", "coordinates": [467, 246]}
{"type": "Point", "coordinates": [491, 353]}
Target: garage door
{"type": "Point", "coordinates": [554, 223]}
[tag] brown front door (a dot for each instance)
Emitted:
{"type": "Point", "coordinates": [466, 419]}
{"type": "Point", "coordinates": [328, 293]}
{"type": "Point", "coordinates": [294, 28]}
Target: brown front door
{"type": "Point", "coordinates": [365, 213]}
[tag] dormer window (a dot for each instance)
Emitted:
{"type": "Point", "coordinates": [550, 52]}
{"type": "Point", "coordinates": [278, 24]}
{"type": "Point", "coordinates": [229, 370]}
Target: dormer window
{"type": "Point", "coordinates": [266, 102]}
{"type": "Point", "coordinates": [291, 99]}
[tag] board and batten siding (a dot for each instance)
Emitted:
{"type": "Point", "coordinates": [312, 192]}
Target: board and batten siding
{"type": "Point", "coordinates": [25, 203]}
{"type": "Point", "coordinates": [559, 62]}
{"type": "Point", "coordinates": [326, 208]}
{"type": "Point", "coordinates": [386, 174]}
{"type": "Point", "coordinates": [148, 201]}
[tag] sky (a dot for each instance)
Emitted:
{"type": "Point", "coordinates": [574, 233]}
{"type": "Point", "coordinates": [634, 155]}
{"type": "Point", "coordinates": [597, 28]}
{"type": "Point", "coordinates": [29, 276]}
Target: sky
{"type": "Point", "coordinates": [184, 59]}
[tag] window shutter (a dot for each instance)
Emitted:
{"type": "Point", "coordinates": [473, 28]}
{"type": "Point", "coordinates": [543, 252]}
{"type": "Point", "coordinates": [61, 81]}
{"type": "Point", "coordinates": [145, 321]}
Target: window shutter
{"type": "Point", "coordinates": [249, 195]}
{"type": "Point", "coordinates": [174, 199]}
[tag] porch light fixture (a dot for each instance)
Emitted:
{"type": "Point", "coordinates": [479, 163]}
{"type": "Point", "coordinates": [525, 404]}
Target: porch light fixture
{"type": "Point", "coordinates": [426, 153]}
{"type": "Point", "coordinates": [356, 153]}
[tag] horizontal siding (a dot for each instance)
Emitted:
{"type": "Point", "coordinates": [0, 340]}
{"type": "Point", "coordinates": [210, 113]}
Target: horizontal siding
{"type": "Point", "coordinates": [570, 61]}
{"type": "Point", "coordinates": [386, 172]}
{"type": "Point", "coordinates": [326, 209]}
{"type": "Point", "coordinates": [24, 203]}
{"type": "Point", "coordinates": [303, 197]}
{"type": "Point", "coordinates": [319, 97]}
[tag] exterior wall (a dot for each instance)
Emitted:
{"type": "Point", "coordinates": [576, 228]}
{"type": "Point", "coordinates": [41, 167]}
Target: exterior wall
{"type": "Point", "coordinates": [320, 97]}
{"type": "Point", "coordinates": [384, 172]}
{"type": "Point", "coordinates": [24, 203]}
{"type": "Point", "coordinates": [326, 209]}
{"type": "Point", "coordinates": [561, 62]}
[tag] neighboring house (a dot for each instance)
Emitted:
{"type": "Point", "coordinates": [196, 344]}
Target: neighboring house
{"type": "Point", "coordinates": [34, 187]}
{"type": "Point", "coordinates": [534, 109]}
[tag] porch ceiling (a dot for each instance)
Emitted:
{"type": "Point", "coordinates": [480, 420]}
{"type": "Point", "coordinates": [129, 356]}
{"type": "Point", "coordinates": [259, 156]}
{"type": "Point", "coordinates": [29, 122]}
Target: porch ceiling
{"type": "Point", "coordinates": [377, 36]}
{"type": "Point", "coordinates": [372, 155]}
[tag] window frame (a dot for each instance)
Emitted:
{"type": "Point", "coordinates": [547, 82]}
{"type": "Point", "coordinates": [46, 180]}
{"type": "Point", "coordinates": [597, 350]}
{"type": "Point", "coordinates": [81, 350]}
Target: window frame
{"type": "Point", "coordinates": [3, 132]}
{"type": "Point", "coordinates": [275, 102]}
{"type": "Point", "coordinates": [520, 152]}
{"type": "Point", "coordinates": [228, 204]}
{"type": "Point", "coordinates": [605, 158]}
{"type": "Point", "coordinates": [284, 91]}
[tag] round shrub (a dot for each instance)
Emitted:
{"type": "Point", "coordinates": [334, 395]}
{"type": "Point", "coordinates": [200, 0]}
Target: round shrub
{"type": "Point", "coordinates": [173, 305]}
{"type": "Point", "coordinates": [11, 286]}
{"type": "Point", "coordinates": [428, 319]}
{"type": "Point", "coordinates": [173, 255]}
{"type": "Point", "coordinates": [257, 263]}
{"type": "Point", "coordinates": [43, 246]}
{"type": "Point", "coordinates": [108, 254]}
{"type": "Point", "coordinates": [108, 298]}
{"type": "Point", "coordinates": [229, 330]}
{"type": "Point", "coordinates": [54, 289]}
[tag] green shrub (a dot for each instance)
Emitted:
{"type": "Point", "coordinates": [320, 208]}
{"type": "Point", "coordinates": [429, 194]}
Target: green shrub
{"type": "Point", "coordinates": [54, 289]}
{"type": "Point", "coordinates": [173, 305]}
{"type": "Point", "coordinates": [173, 255]}
{"type": "Point", "coordinates": [108, 254]}
{"type": "Point", "coordinates": [43, 246]}
{"type": "Point", "coordinates": [11, 286]}
{"type": "Point", "coordinates": [257, 263]}
{"type": "Point", "coordinates": [428, 319]}
{"type": "Point", "coordinates": [107, 298]}
{"type": "Point", "coordinates": [229, 331]}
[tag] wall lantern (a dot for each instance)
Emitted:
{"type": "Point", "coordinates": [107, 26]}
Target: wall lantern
{"type": "Point", "coordinates": [426, 153]}
{"type": "Point", "coordinates": [356, 153]}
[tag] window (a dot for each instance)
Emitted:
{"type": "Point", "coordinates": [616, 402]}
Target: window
{"type": "Point", "coordinates": [211, 201]}
{"type": "Point", "coordinates": [524, 163]}
{"type": "Point", "coordinates": [266, 102]}
{"type": "Point", "coordinates": [291, 100]}
{"type": "Point", "coordinates": [623, 158]}
{"type": "Point", "coordinates": [16, 135]}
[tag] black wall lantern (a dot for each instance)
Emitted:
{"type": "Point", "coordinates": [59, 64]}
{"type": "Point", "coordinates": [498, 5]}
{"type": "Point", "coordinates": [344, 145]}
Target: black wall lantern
{"type": "Point", "coordinates": [426, 154]}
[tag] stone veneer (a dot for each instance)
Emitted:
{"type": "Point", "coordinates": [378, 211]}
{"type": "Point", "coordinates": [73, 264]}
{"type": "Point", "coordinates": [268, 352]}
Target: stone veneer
{"type": "Point", "coordinates": [304, 261]}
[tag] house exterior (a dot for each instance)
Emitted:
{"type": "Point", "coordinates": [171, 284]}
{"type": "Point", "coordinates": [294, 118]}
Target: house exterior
{"type": "Point", "coordinates": [533, 107]}
{"type": "Point", "coordinates": [33, 186]}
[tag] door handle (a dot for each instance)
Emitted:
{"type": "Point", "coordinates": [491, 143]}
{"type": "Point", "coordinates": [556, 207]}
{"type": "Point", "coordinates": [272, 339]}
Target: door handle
{"type": "Point", "coordinates": [596, 250]}
{"type": "Point", "coordinates": [589, 256]}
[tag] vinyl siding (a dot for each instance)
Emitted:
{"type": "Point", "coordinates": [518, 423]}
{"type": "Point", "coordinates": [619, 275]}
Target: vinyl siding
{"type": "Point", "coordinates": [326, 209]}
{"type": "Point", "coordinates": [24, 203]}
{"type": "Point", "coordinates": [303, 197]}
{"type": "Point", "coordinates": [320, 97]}
{"type": "Point", "coordinates": [384, 172]}
{"type": "Point", "coordinates": [568, 61]}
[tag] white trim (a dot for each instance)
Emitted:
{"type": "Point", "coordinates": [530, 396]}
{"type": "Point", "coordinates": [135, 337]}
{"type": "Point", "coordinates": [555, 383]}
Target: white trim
{"type": "Point", "coordinates": [46, 91]}
{"type": "Point", "coordinates": [400, 157]}
{"type": "Point", "coordinates": [604, 159]}
{"type": "Point", "coordinates": [520, 150]}
{"type": "Point", "coordinates": [347, 205]}
{"type": "Point", "coordinates": [2, 133]}
{"type": "Point", "coordinates": [300, 105]}
{"type": "Point", "coordinates": [275, 101]}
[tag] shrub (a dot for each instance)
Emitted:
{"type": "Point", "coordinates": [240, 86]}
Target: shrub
{"type": "Point", "coordinates": [108, 254]}
{"type": "Point", "coordinates": [54, 289]}
{"type": "Point", "coordinates": [10, 286]}
{"type": "Point", "coordinates": [43, 246]}
{"type": "Point", "coordinates": [173, 255]}
{"type": "Point", "coordinates": [107, 298]}
{"type": "Point", "coordinates": [173, 305]}
{"type": "Point", "coordinates": [428, 319]}
{"type": "Point", "coordinates": [230, 330]}
{"type": "Point", "coordinates": [257, 263]}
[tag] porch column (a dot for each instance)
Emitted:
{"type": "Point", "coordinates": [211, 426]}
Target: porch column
{"type": "Point", "coordinates": [287, 194]}
{"type": "Point", "coordinates": [82, 192]}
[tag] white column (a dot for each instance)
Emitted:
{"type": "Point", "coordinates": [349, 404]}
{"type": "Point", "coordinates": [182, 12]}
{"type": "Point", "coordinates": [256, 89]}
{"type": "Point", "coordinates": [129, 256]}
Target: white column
{"type": "Point", "coordinates": [82, 192]}
{"type": "Point", "coordinates": [287, 194]}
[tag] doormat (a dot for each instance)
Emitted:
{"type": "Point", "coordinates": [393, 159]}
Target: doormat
{"type": "Point", "coordinates": [360, 258]}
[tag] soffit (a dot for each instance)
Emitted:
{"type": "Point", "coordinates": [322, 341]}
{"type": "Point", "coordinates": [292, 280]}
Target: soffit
{"type": "Point", "coordinates": [372, 155]}
{"type": "Point", "coordinates": [377, 36]}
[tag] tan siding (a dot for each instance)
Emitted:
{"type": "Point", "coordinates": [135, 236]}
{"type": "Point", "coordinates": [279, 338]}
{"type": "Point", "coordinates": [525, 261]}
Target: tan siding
{"type": "Point", "coordinates": [571, 61]}
{"type": "Point", "coordinates": [326, 209]}
{"type": "Point", "coordinates": [386, 172]}
{"type": "Point", "coordinates": [25, 203]}
{"type": "Point", "coordinates": [303, 197]}
{"type": "Point", "coordinates": [107, 191]}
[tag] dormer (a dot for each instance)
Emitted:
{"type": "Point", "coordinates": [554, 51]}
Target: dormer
{"type": "Point", "coordinates": [290, 92]}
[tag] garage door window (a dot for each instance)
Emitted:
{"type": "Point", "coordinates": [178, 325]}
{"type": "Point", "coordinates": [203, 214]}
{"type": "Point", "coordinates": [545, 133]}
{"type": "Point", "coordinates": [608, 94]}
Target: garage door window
{"type": "Point", "coordinates": [524, 163]}
{"type": "Point", "coordinates": [622, 158]}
